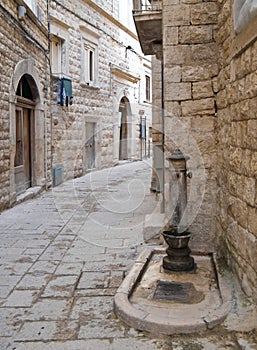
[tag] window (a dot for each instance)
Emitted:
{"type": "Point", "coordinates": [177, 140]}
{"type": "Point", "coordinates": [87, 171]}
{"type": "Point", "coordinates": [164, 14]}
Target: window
{"type": "Point", "coordinates": [147, 88]}
{"type": "Point", "coordinates": [24, 88]}
{"type": "Point", "coordinates": [31, 4]}
{"type": "Point", "coordinates": [56, 55]}
{"type": "Point", "coordinates": [59, 48]}
{"type": "Point", "coordinates": [89, 56]}
{"type": "Point", "coordinates": [89, 64]}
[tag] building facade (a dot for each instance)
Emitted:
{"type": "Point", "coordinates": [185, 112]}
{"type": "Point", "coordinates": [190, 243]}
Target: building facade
{"type": "Point", "coordinates": [76, 92]}
{"type": "Point", "coordinates": [205, 75]}
{"type": "Point", "coordinates": [25, 109]}
{"type": "Point", "coordinates": [97, 48]}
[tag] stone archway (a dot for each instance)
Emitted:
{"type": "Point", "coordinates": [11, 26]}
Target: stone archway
{"type": "Point", "coordinates": [24, 172]}
{"type": "Point", "coordinates": [27, 127]}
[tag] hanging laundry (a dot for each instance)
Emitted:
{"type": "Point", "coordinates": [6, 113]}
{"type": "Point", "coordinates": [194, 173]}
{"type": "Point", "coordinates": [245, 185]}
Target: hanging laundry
{"type": "Point", "coordinates": [64, 94]}
{"type": "Point", "coordinates": [59, 92]}
{"type": "Point", "coordinates": [67, 90]}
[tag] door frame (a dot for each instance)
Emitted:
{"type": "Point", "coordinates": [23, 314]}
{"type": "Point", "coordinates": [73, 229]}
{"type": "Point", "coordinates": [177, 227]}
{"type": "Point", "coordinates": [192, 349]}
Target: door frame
{"type": "Point", "coordinates": [41, 163]}
{"type": "Point", "coordinates": [88, 144]}
{"type": "Point", "coordinates": [126, 142]}
{"type": "Point", "coordinates": [21, 105]}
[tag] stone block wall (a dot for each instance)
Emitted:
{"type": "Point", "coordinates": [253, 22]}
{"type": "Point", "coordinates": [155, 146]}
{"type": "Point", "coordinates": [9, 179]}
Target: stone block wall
{"type": "Point", "coordinates": [236, 134]}
{"type": "Point", "coordinates": [190, 59]}
{"type": "Point", "coordinates": [157, 117]}
{"type": "Point", "coordinates": [19, 40]}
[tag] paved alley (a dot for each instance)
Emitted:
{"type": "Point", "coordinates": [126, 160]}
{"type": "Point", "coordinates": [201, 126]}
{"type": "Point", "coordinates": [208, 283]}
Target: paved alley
{"type": "Point", "coordinates": [63, 256]}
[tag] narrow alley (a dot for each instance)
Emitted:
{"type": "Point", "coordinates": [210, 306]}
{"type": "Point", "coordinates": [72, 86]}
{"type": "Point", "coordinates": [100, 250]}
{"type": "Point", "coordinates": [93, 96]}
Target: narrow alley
{"type": "Point", "coordinates": [63, 256]}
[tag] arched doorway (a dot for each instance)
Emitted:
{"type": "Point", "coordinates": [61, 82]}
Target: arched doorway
{"type": "Point", "coordinates": [124, 108]}
{"type": "Point", "coordinates": [24, 159]}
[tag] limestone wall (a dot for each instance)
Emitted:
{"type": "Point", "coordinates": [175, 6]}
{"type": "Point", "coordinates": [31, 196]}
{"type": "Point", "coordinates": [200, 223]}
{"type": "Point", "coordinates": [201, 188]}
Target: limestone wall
{"type": "Point", "coordinates": [190, 85]}
{"type": "Point", "coordinates": [210, 88]}
{"type": "Point", "coordinates": [19, 41]}
{"type": "Point", "coordinates": [237, 146]}
{"type": "Point", "coordinates": [156, 115]}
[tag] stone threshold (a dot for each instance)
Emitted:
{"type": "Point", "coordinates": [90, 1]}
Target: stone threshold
{"type": "Point", "coordinates": [30, 193]}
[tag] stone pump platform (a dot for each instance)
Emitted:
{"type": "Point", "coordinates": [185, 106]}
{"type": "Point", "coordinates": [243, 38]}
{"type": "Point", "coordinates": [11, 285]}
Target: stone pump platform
{"type": "Point", "coordinates": [150, 299]}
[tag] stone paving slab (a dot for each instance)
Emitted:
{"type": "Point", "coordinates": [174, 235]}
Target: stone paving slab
{"type": "Point", "coordinates": [21, 298]}
{"type": "Point", "coordinates": [49, 310]}
{"type": "Point", "coordinates": [60, 286]}
{"type": "Point", "coordinates": [101, 329]}
{"type": "Point", "coordinates": [42, 330]}
{"type": "Point", "coordinates": [62, 269]}
{"type": "Point", "coordinates": [60, 345]}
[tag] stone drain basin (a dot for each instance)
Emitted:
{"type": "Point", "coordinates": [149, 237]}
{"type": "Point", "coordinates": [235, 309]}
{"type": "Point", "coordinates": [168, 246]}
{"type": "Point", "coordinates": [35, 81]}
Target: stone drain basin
{"type": "Point", "coordinates": [153, 300]}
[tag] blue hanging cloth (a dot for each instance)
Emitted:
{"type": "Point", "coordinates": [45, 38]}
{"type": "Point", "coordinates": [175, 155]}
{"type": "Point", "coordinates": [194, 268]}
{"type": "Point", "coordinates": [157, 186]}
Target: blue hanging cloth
{"type": "Point", "coordinates": [67, 91]}
{"type": "Point", "coordinates": [59, 92]}
{"type": "Point", "coordinates": [64, 95]}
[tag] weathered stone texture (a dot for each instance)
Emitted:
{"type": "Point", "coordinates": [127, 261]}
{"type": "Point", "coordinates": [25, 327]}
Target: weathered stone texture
{"type": "Point", "coordinates": [157, 115]}
{"type": "Point", "coordinates": [178, 91]}
{"type": "Point", "coordinates": [171, 35]}
{"type": "Point", "coordinates": [98, 104]}
{"type": "Point", "coordinates": [62, 130]}
{"type": "Point", "coordinates": [178, 14]}
{"type": "Point", "coordinates": [15, 46]}
{"type": "Point", "coordinates": [204, 13]}
{"type": "Point", "coordinates": [202, 89]}
{"type": "Point", "coordinates": [196, 72]}
{"type": "Point", "coordinates": [236, 137]}
{"type": "Point", "coordinates": [195, 34]}
{"type": "Point", "coordinates": [190, 66]}
{"type": "Point", "coordinates": [198, 107]}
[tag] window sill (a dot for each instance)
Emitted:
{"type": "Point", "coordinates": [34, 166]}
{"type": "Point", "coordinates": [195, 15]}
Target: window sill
{"type": "Point", "coordinates": [147, 102]}
{"type": "Point", "coordinates": [54, 76]}
{"type": "Point", "coordinates": [90, 86]}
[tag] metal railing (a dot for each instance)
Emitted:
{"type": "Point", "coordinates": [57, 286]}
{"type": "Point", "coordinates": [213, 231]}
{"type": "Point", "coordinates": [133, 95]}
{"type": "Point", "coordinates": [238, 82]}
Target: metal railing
{"type": "Point", "coordinates": [144, 6]}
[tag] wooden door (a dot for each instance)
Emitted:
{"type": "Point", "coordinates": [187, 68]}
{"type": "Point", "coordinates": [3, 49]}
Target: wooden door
{"type": "Point", "coordinates": [24, 148]}
{"type": "Point", "coordinates": [123, 152]}
{"type": "Point", "coordinates": [90, 146]}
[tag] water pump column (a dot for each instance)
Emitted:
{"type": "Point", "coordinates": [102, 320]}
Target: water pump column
{"type": "Point", "coordinates": [177, 237]}
{"type": "Point", "coordinates": [178, 187]}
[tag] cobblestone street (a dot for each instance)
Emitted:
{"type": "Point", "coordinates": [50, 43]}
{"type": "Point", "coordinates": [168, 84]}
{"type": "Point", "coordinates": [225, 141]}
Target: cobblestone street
{"type": "Point", "coordinates": [63, 256]}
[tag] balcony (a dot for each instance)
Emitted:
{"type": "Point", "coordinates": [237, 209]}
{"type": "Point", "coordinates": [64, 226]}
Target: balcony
{"type": "Point", "coordinates": [148, 20]}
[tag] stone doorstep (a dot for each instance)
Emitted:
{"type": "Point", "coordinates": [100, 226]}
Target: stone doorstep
{"type": "Point", "coordinates": [157, 321]}
{"type": "Point", "coordinates": [30, 193]}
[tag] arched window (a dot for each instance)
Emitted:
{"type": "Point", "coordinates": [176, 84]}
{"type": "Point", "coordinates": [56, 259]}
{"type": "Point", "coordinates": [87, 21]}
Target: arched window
{"type": "Point", "coordinates": [24, 89]}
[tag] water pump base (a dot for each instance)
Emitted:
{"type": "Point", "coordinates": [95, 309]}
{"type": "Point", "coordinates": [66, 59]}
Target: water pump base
{"type": "Point", "coordinates": [178, 264]}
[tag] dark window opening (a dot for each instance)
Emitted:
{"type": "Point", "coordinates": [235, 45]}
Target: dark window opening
{"type": "Point", "coordinates": [24, 89]}
{"type": "Point", "coordinates": [147, 88]}
{"type": "Point", "coordinates": [91, 65]}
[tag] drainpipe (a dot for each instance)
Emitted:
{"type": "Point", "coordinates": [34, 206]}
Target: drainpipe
{"type": "Point", "coordinates": [163, 140]}
{"type": "Point", "coordinates": [50, 97]}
